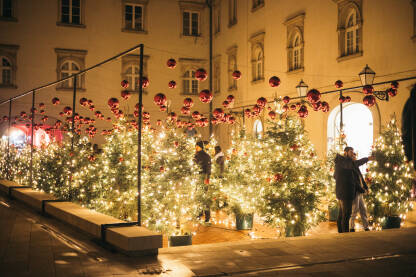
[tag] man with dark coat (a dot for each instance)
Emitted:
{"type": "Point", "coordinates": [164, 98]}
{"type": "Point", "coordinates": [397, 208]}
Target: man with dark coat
{"type": "Point", "coordinates": [348, 182]}
{"type": "Point", "coordinates": [204, 161]}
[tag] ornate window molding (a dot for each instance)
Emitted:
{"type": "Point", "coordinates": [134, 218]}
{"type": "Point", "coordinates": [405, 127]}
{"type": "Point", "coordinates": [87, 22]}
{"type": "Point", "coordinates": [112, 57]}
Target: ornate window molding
{"type": "Point", "coordinates": [295, 43]}
{"type": "Point", "coordinates": [257, 57]}
{"type": "Point", "coordinates": [134, 14]}
{"type": "Point", "coordinates": [191, 17]}
{"type": "Point", "coordinates": [232, 66]}
{"type": "Point", "coordinates": [70, 61]}
{"type": "Point", "coordinates": [8, 65]}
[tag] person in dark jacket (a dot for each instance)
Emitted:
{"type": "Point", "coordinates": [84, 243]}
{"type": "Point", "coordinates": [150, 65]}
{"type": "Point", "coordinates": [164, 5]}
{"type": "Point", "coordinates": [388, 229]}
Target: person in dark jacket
{"type": "Point", "coordinates": [219, 159]}
{"type": "Point", "coordinates": [347, 184]}
{"type": "Point", "coordinates": [204, 161]}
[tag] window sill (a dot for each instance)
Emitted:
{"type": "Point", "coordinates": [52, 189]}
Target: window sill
{"type": "Point", "coordinates": [188, 94]}
{"type": "Point", "coordinates": [191, 36]}
{"type": "Point", "coordinates": [232, 23]}
{"type": "Point", "coordinates": [8, 86]}
{"type": "Point", "coordinates": [10, 19]}
{"type": "Point", "coordinates": [143, 32]}
{"type": "Point", "coordinates": [349, 57]}
{"type": "Point", "coordinates": [137, 91]}
{"type": "Point", "coordinates": [71, 89]}
{"type": "Point", "coordinates": [257, 81]}
{"type": "Point", "coordinates": [232, 88]}
{"type": "Point", "coordinates": [297, 70]}
{"type": "Point", "coordinates": [70, 25]}
{"type": "Point", "coordinates": [258, 7]}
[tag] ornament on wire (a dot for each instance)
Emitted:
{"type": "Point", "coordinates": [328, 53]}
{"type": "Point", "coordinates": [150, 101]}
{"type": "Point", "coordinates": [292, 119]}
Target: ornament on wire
{"type": "Point", "coordinates": [125, 94]}
{"type": "Point", "coordinates": [369, 100]}
{"type": "Point", "coordinates": [185, 110]}
{"type": "Point", "coordinates": [196, 115]}
{"type": "Point", "coordinates": [188, 102]}
{"type": "Point", "coordinates": [368, 89]}
{"type": "Point", "coordinates": [392, 92]}
{"type": "Point", "coordinates": [286, 99]}
{"type": "Point", "coordinates": [261, 102]}
{"type": "Point", "coordinates": [274, 81]}
{"type": "Point", "coordinates": [160, 99]}
{"type": "Point", "coordinates": [113, 103]}
{"type": "Point", "coordinates": [201, 74]}
{"type": "Point", "coordinates": [145, 82]}
{"type": "Point", "coordinates": [339, 84]}
{"type": "Point", "coordinates": [394, 85]}
{"type": "Point", "coordinates": [236, 75]}
{"type": "Point", "coordinates": [303, 112]}
{"type": "Point", "coordinates": [125, 84]}
{"type": "Point", "coordinates": [313, 95]}
{"type": "Point", "coordinates": [225, 104]}
{"type": "Point", "coordinates": [55, 101]}
{"type": "Point", "coordinates": [272, 115]}
{"type": "Point", "coordinates": [172, 84]}
{"type": "Point", "coordinates": [205, 96]}
{"type": "Point", "coordinates": [218, 113]}
{"type": "Point", "coordinates": [67, 110]}
{"type": "Point", "coordinates": [171, 63]}
{"type": "Point", "coordinates": [324, 106]}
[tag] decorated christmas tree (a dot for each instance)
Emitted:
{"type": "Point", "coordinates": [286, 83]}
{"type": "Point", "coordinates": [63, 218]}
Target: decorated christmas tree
{"type": "Point", "coordinates": [295, 184]}
{"type": "Point", "coordinates": [389, 177]}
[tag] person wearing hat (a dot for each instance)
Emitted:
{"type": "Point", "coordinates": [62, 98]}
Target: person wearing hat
{"type": "Point", "coordinates": [204, 161]}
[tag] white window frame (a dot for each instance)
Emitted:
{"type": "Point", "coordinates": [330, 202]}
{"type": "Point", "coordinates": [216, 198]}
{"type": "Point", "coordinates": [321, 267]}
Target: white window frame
{"type": "Point", "coordinates": [190, 26]}
{"type": "Point", "coordinates": [70, 13]}
{"type": "Point", "coordinates": [258, 64]}
{"type": "Point", "coordinates": [68, 72]}
{"type": "Point", "coordinates": [190, 84]}
{"type": "Point", "coordinates": [297, 48]}
{"type": "Point", "coordinates": [351, 34]}
{"type": "Point", "coordinates": [4, 68]}
{"type": "Point", "coordinates": [133, 21]}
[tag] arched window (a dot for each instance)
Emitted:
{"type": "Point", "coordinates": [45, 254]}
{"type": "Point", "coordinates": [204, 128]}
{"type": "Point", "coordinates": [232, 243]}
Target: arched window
{"type": "Point", "coordinates": [351, 34]}
{"type": "Point", "coordinates": [67, 69]}
{"type": "Point", "coordinates": [6, 71]}
{"type": "Point", "coordinates": [131, 74]}
{"type": "Point", "coordinates": [232, 66]}
{"type": "Point", "coordinates": [295, 49]}
{"type": "Point", "coordinates": [258, 129]}
{"type": "Point", "coordinates": [296, 53]}
{"type": "Point", "coordinates": [258, 63]}
{"type": "Point", "coordinates": [190, 84]}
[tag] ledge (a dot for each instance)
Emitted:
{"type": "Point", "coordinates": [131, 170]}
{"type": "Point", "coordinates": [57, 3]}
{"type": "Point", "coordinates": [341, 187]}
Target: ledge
{"type": "Point", "coordinates": [142, 32]}
{"type": "Point", "coordinates": [82, 26]}
{"type": "Point", "coordinates": [352, 56]}
{"type": "Point", "coordinates": [294, 71]}
{"type": "Point", "coordinates": [132, 240]}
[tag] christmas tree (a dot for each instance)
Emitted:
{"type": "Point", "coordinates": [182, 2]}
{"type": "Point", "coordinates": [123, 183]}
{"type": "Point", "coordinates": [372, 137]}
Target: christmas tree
{"type": "Point", "coordinates": [295, 184]}
{"type": "Point", "coordinates": [389, 177]}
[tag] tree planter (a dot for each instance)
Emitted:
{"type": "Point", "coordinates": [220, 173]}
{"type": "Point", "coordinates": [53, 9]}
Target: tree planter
{"type": "Point", "coordinates": [293, 231]}
{"type": "Point", "coordinates": [180, 240]}
{"type": "Point", "coordinates": [244, 221]}
{"type": "Point", "coordinates": [391, 222]}
{"type": "Point", "coordinates": [333, 211]}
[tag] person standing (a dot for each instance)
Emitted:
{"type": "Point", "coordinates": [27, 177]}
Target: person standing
{"type": "Point", "coordinates": [219, 159]}
{"type": "Point", "coordinates": [358, 204]}
{"type": "Point", "coordinates": [204, 161]}
{"type": "Point", "coordinates": [346, 187]}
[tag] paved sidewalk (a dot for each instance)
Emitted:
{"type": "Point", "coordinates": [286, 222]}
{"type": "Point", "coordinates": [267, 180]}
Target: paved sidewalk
{"type": "Point", "coordinates": [33, 245]}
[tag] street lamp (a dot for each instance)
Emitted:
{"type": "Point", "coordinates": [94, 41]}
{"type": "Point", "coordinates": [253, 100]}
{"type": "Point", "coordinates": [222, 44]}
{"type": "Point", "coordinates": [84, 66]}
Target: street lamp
{"type": "Point", "coordinates": [367, 76]}
{"type": "Point", "coordinates": [302, 88]}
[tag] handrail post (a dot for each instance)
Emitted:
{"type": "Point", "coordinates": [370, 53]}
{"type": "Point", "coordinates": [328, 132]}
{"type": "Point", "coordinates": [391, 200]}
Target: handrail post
{"type": "Point", "coordinates": [139, 140]}
{"type": "Point", "coordinates": [73, 112]}
{"type": "Point", "coordinates": [8, 140]}
{"type": "Point", "coordinates": [31, 138]}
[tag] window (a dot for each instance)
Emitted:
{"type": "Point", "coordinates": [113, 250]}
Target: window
{"type": "Point", "coordinates": [190, 84]}
{"type": "Point", "coordinates": [217, 18]}
{"type": "Point", "coordinates": [71, 12]}
{"type": "Point", "coordinates": [257, 56]}
{"type": "Point", "coordinates": [258, 129]}
{"type": "Point", "coordinates": [217, 74]}
{"type": "Point", "coordinates": [349, 29]}
{"type": "Point", "coordinates": [134, 15]}
{"type": "Point", "coordinates": [70, 61]}
{"type": "Point", "coordinates": [8, 61]}
{"type": "Point", "coordinates": [295, 26]}
{"type": "Point", "coordinates": [6, 8]}
{"type": "Point", "coordinates": [232, 66]}
{"type": "Point", "coordinates": [257, 4]}
{"type": "Point", "coordinates": [131, 70]}
{"type": "Point", "coordinates": [190, 23]}
{"type": "Point", "coordinates": [232, 12]}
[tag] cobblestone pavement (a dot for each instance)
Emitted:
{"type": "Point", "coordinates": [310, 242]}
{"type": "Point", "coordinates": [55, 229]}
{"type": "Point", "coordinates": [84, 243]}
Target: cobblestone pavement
{"type": "Point", "coordinates": [33, 245]}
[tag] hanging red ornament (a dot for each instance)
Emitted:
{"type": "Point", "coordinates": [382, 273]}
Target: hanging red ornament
{"type": "Point", "coordinates": [274, 81]}
{"type": "Point", "coordinates": [347, 99]}
{"type": "Point", "coordinates": [236, 75]}
{"type": "Point", "coordinates": [145, 82]}
{"type": "Point", "coordinates": [161, 169]}
{"type": "Point", "coordinates": [68, 110]}
{"type": "Point", "coordinates": [303, 111]}
{"type": "Point", "coordinates": [92, 108]}
{"type": "Point", "coordinates": [125, 84]}
{"type": "Point", "coordinates": [368, 89]}
{"type": "Point", "coordinates": [188, 102]}
{"type": "Point", "coordinates": [196, 115]}
{"type": "Point", "coordinates": [285, 108]}
{"type": "Point", "coordinates": [369, 100]}
{"type": "Point", "coordinates": [278, 177]}
{"type": "Point", "coordinates": [61, 114]}
{"type": "Point", "coordinates": [113, 103]}
{"type": "Point", "coordinates": [231, 120]}
{"type": "Point", "coordinates": [215, 121]}
{"type": "Point", "coordinates": [185, 111]}
{"type": "Point", "coordinates": [342, 99]}
{"type": "Point", "coordinates": [204, 122]}
{"type": "Point", "coordinates": [339, 84]}
{"type": "Point", "coordinates": [160, 99]}
{"type": "Point", "coordinates": [272, 115]}
{"type": "Point", "coordinates": [261, 102]}
{"type": "Point", "coordinates": [83, 101]}
{"type": "Point", "coordinates": [294, 147]}
{"type": "Point", "coordinates": [33, 110]}
{"type": "Point", "coordinates": [125, 94]}
{"type": "Point", "coordinates": [159, 122]}
{"type": "Point", "coordinates": [225, 104]}
{"type": "Point", "coordinates": [163, 108]}
{"type": "Point", "coordinates": [218, 113]}
{"type": "Point", "coordinates": [44, 118]}
{"type": "Point", "coordinates": [55, 101]}
{"type": "Point", "coordinates": [171, 63]}
{"type": "Point", "coordinates": [286, 99]}
{"type": "Point", "coordinates": [23, 114]}
{"type": "Point", "coordinates": [395, 85]}
{"type": "Point", "coordinates": [392, 92]}
{"type": "Point", "coordinates": [97, 114]}
{"type": "Point", "coordinates": [90, 103]}
{"type": "Point", "coordinates": [201, 74]}
{"type": "Point", "coordinates": [172, 84]}
{"type": "Point", "coordinates": [205, 96]}
{"type": "Point", "coordinates": [316, 106]}
{"type": "Point", "coordinates": [41, 105]}
{"type": "Point", "coordinates": [146, 115]}
{"type": "Point", "coordinates": [257, 109]}
{"type": "Point", "coordinates": [230, 98]}
{"type": "Point", "coordinates": [293, 107]}
{"type": "Point", "coordinates": [58, 124]}
{"type": "Point", "coordinates": [247, 112]}
{"type": "Point", "coordinates": [313, 95]}
{"type": "Point", "coordinates": [172, 116]}
{"type": "Point", "coordinates": [178, 123]}
{"type": "Point", "coordinates": [324, 106]}
{"type": "Point", "coordinates": [108, 119]}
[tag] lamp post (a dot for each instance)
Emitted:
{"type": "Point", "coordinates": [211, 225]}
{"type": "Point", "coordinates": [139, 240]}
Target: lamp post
{"type": "Point", "coordinates": [302, 88]}
{"type": "Point", "coordinates": [367, 78]}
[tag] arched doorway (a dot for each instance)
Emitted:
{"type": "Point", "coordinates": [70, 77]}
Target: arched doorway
{"type": "Point", "coordinates": [358, 127]}
{"type": "Point", "coordinates": [408, 126]}
{"type": "Point", "coordinates": [258, 129]}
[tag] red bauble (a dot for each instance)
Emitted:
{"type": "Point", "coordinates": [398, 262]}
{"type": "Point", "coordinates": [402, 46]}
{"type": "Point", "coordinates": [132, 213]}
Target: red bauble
{"type": "Point", "coordinates": [204, 122]}
{"type": "Point", "coordinates": [163, 108]}
{"type": "Point", "coordinates": [125, 84]}
{"type": "Point", "coordinates": [55, 101]}
{"type": "Point", "coordinates": [188, 102]}
{"type": "Point", "coordinates": [58, 124]}
{"type": "Point", "coordinates": [293, 107]}
{"type": "Point", "coordinates": [171, 63]}
{"type": "Point", "coordinates": [108, 119]}
{"type": "Point", "coordinates": [172, 84]}
{"type": "Point", "coordinates": [231, 120]}
{"type": "Point", "coordinates": [159, 122]}
{"type": "Point", "coordinates": [230, 98]}
{"type": "Point", "coordinates": [196, 115]}
{"type": "Point", "coordinates": [313, 95]}
{"type": "Point", "coordinates": [274, 81]}
{"type": "Point", "coordinates": [342, 99]}
{"type": "Point", "coordinates": [324, 106]}
{"type": "Point", "coordinates": [286, 99]}
{"type": "Point", "coordinates": [160, 99]}
{"type": "Point", "coordinates": [236, 75]}
{"type": "Point", "coordinates": [225, 104]}
{"type": "Point", "coordinates": [172, 116]}
{"type": "Point", "coordinates": [83, 101]}
{"type": "Point", "coordinates": [67, 110]}
{"type": "Point", "coordinates": [257, 109]}
{"type": "Point", "coordinates": [272, 115]}
{"type": "Point", "coordinates": [347, 99]}
{"type": "Point", "coordinates": [121, 159]}
{"type": "Point", "coordinates": [339, 84]}
{"type": "Point", "coordinates": [218, 113]}
{"type": "Point", "coordinates": [395, 85]}
{"type": "Point", "coordinates": [285, 108]}
{"type": "Point", "coordinates": [316, 106]}
{"type": "Point", "coordinates": [294, 147]}
{"type": "Point", "coordinates": [369, 100]}
{"type": "Point", "coordinates": [392, 92]}
{"type": "Point", "coordinates": [161, 169]}
{"type": "Point", "coordinates": [145, 82]}
{"type": "Point", "coordinates": [261, 102]}
{"type": "Point", "coordinates": [23, 114]}
{"type": "Point", "coordinates": [45, 118]}
{"type": "Point", "coordinates": [278, 177]}
{"type": "Point", "coordinates": [146, 115]}
{"type": "Point", "coordinates": [303, 111]}
{"type": "Point", "coordinates": [125, 94]}
{"type": "Point", "coordinates": [92, 108]}
{"type": "Point", "coordinates": [368, 89]}
{"type": "Point", "coordinates": [201, 74]}
{"type": "Point", "coordinates": [185, 111]}
{"type": "Point", "coordinates": [41, 105]}
{"type": "Point", "coordinates": [90, 103]}
{"type": "Point", "coordinates": [113, 103]}
{"type": "Point", "coordinates": [205, 96]}
{"type": "Point", "coordinates": [98, 114]}
{"type": "Point", "coordinates": [247, 112]}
